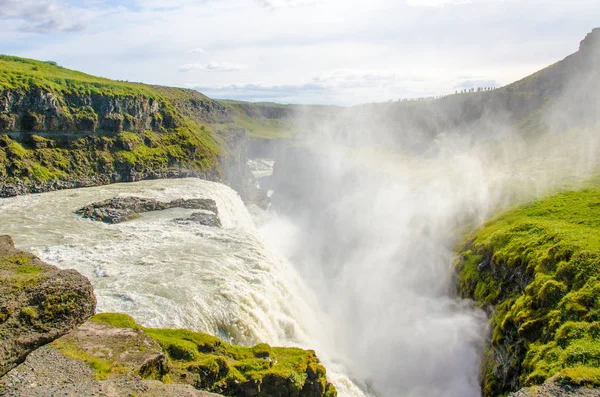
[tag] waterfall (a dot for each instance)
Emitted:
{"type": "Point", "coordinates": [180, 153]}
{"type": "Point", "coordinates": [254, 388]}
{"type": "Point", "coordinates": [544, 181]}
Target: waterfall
{"type": "Point", "coordinates": [222, 281]}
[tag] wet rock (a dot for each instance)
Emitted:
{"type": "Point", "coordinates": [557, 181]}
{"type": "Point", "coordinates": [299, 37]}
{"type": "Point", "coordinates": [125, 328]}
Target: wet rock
{"type": "Point", "coordinates": [202, 218]}
{"type": "Point", "coordinates": [121, 209]}
{"type": "Point", "coordinates": [38, 303]}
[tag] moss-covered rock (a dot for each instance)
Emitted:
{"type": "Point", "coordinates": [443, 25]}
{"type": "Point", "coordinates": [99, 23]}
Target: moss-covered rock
{"type": "Point", "coordinates": [535, 269]}
{"type": "Point", "coordinates": [38, 303]}
{"type": "Point", "coordinates": [114, 351]}
{"type": "Point", "coordinates": [209, 363]}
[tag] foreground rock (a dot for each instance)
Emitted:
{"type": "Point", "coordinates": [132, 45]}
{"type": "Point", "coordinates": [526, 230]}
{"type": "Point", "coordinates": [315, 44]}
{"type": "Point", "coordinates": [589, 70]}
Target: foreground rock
{"type": "Point", "coordinates": [111, 355]}
{"type": "Point", "coordinates": [96, 360]}
{"type": "Point", "coordinates": [121, 209]}
{"type": "Point", "coordinates": [118, 351]}
{"type": "Point", "coordinates": [38, 303]}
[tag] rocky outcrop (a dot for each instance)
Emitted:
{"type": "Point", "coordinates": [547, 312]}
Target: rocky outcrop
{"type": "Point", "coordinates": [209, 363]}
{"type": "Point", "coordinates": [112, 355]}
{"type": "Point", "coordinates": [121, 209]}
{"type": "Point", "coordinates": [38, 303]}
{"type": "Point", "coordinates": [50, 372]}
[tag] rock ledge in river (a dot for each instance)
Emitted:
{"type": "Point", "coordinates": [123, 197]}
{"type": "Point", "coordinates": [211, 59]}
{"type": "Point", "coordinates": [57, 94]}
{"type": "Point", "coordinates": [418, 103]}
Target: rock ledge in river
{"type": "Point", "coordinates": [121, 209]}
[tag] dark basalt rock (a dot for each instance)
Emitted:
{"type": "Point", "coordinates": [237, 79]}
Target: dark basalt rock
{"type": "Point", "coordinates": [202, 218]}
{"type": "Point", "coordinates": [121, 209]}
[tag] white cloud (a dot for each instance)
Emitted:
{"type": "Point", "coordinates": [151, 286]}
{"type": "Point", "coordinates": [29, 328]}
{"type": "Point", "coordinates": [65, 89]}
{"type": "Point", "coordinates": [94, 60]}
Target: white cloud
{"type": "Point", "coordinates": [336, 51]}
{"type": "Point", "coordinates": [212, 67]}
{"type": "Point", "coordinates": [42, 16]}
{"type": "Point", "coordinates": [342, 86]}
{"type": "Point", "coordinates": [198, 50]}
{"type": "Point", "coordinates": [436, 3]}
{"type": "Point", "coordinates": [273, 4]}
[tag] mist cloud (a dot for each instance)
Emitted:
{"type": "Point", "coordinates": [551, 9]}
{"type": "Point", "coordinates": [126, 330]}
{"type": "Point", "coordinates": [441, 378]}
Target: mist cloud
{"type": "Point", "coordinates": [371, 201]}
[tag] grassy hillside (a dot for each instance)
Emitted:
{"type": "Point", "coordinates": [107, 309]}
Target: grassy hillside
{"type": "Point", "coordinates": [24, 74]}
{"type": "Point", "coordinates": [538, 267]}
{"type": "Point", "coordinates": [82, 126]}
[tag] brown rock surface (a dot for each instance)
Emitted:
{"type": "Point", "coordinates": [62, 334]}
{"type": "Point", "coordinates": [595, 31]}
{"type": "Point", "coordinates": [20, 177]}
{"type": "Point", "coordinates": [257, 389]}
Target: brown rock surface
{"type": "Point", "coordinates": [38, 303]}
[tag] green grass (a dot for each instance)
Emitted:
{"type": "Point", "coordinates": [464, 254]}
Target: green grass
{"type": "Point", "coordinates": [212, 364]}
{"type": "Point", "coordinates": [262, 127]}
{"type": "Point", "coordinates": [539, 266]}
{"type": "Point", "coordinates": [17, 272]}
{"type": "Point", "coordinates": [103, 368]}
{"type": "Point", "coordinates": [24, 74]}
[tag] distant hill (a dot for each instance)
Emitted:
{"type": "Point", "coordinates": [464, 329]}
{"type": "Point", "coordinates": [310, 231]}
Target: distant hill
{"type": "Point", "coordinates": [562, 96]}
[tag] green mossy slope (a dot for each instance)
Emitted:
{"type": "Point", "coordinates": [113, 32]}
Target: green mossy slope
{"type": "Point", "coordinates": [58, 124]}
{"type": "Point", "coordinates": [536, 269]}
{"type": "Point", "coordinates": [211, 364]}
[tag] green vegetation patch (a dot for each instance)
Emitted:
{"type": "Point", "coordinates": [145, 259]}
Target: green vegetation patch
{"type": "Point", "coordinates": [17, 272]}
{"type": "Point", "coordinates": [233, 370]}
{"type": "Point", "coordinates": [102, 366]}
{"type": "Point", "coordinates": [116, 320]}
{"type": "Point", "coordinates": [107, 158]}
{"type": "Point", "coordinates": [538, 267]}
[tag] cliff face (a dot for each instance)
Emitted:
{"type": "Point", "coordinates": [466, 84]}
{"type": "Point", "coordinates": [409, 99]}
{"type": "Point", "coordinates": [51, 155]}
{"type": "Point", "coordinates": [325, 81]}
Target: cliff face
{"type": "Point", "coordinates": [38, 110]}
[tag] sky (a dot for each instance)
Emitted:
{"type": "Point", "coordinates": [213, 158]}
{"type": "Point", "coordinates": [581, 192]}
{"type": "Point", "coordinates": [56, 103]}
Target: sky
{"type": "Point", "coordinates": [340, 52]}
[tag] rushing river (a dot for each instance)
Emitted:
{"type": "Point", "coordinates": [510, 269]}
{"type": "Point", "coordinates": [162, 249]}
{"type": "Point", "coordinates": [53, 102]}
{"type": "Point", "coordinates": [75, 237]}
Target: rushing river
{"type": "Point", "coordinates": [223, 281]}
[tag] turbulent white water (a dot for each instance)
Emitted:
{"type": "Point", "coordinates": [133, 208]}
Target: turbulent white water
{"type": "Point", "coordinates": [166, 274]}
